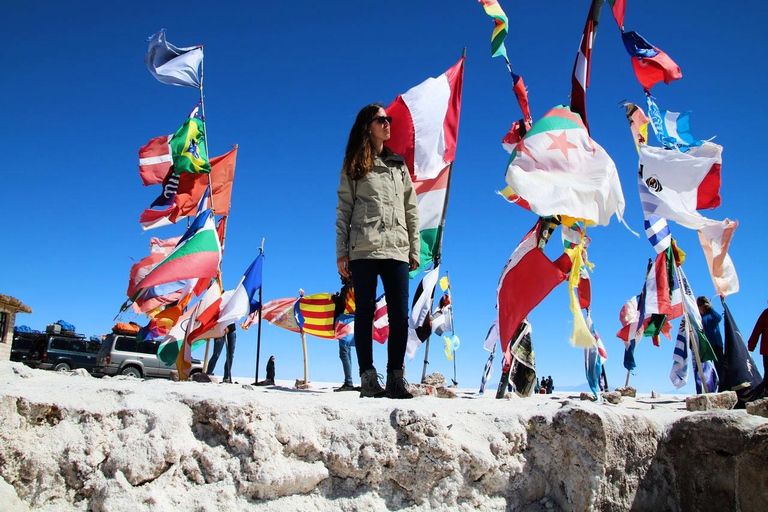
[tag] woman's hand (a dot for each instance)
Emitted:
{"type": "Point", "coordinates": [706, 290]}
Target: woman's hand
{"type": "Point", "coordinates": [414, 263]}
{"type": "Point", "coordinates": [343, 266]}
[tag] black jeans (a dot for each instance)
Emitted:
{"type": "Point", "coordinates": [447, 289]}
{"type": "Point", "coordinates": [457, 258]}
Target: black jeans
{"type": "Point", "coordinates": [394, 278]}
{"type": "Point", "coordinates": [218, 343]}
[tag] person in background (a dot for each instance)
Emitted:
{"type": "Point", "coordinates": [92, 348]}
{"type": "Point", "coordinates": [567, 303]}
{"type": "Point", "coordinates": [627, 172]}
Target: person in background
{"type": "Point", "coordinates": [270, 372]}
{"type": "Point", "coordinates": [550, 385]}
{"type": "Point", "coordinates": [711, 322]}
{"type": "Point", "coordinates": [344, 314]}
{"type": "Point", "coordinates": [761, 330]}
{"type": "Point", "coordinates": [377, 235]}
{"type": "Point", "coordinates": [218, 345]}
{"type": "Point", "coordinates": [537, 387]}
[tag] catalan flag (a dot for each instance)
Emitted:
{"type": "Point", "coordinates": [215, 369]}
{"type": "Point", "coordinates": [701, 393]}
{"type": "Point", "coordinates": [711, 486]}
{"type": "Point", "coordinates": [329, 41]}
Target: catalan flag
{"type": "Point", "coordinates": [315, 315]}
{"type": "Point", "coordinates": [494, 10]}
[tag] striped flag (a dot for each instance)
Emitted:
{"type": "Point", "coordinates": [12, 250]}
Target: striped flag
{"type": "Point", "coordinates": [315, 315]}
{"type": "Point", "coordinates": [583, 63]}
{"type": "Point", "coordinates": [381, 320]}
{"type": "Point", "coordinates": [421, 312]}
{"type": "Point", "coordinates": [281, 312]}
{"type": "Point", "coordinates": [426, 126]}
{"type": "Point", "coordinates": [658, 233]}
{"type": "Point", "coordinates": [487, 371]}
{"type": "Point", "coordinates": [680, 357]}
{"type": "Point", "coordinates": [492, 338]}
{"type": "Point", "coordinates": [155, 160]}
{"type": "Point", "coordinates": [662, 292]}
{"type": "Point", "coordinates": [197, 255]}
{"type": "Point", "coordinates": [672, 129]}
{"type": "Point", "coordinates": [650, 64]}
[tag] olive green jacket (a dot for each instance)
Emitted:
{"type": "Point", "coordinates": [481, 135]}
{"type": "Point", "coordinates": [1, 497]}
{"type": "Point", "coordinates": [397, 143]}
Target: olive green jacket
{"type": "Point", "coordinates": [377, 216]}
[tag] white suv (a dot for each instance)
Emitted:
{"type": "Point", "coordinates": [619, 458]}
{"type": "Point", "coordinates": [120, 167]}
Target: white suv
{"type": "Point", "coordinates": [121, 354]}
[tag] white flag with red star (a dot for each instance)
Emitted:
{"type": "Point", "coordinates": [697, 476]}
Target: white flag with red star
{"type": "Point", "coordinates": [559, 170]}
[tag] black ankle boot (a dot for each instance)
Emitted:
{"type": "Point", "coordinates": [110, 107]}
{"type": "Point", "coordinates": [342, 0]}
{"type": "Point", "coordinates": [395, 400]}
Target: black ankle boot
{"type": "Point", "coordinates": [397, 386]}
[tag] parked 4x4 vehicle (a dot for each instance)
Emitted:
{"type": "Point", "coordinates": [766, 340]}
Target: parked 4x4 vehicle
{"type": "Point", "coordinates": [57, 351]}
{"type": "Point", "coordinates": [121, 354]}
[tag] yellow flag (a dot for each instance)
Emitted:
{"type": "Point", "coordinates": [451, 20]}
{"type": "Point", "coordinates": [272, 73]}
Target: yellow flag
{"type": "Point", "coordinates": [580, 336]}
{"type": "Point", "coordinates": [444, 283]}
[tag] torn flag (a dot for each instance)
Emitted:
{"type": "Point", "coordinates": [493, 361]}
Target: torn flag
{"type": "Point", "coordinates": [172, 65]}
{"type": "Point", "coordinates": [715, 239]}
{"type": "Point", "coordinates": [583, 63]}
{"type": "Point", "coordinates": [421, 312]}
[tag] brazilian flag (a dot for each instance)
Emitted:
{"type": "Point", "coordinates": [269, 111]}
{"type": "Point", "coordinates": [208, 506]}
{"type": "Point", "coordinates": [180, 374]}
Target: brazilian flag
{"type": "Point", "coordinates": [188, 148]}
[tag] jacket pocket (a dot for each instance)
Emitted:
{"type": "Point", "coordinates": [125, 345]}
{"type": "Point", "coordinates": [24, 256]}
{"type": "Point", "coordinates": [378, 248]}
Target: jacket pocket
{"type": "Point", "coordinates": [401, 234]}
{"type": "Point", "coordinates": [367, 236]}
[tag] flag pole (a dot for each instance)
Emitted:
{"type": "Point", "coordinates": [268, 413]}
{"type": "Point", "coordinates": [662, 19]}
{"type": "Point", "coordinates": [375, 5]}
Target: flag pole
{"type": "Point", "coordinates": [426, 345]}
{"type": "Point", "coordinates": [205, 129]}
{"type": "Point", "coordinates": [305, 385]}
{"type": "Point", "coordinates": [453, 325]}
{"type": "Point", "coordinates": [258, 328]}
{"type": "Point", "coordinates": [695, 349]}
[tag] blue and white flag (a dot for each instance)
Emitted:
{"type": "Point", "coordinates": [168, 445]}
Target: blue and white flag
{"type": "Point", "coordinates": [658, 232]}
{"type": "Point", "coordinates": [673, 129]}
{"type": "Point", "coordinates": [681, 357]}
{"type": "Point", "coordinates": [172, 65]}
{"type": "Point", "coordinates": [487, 371]}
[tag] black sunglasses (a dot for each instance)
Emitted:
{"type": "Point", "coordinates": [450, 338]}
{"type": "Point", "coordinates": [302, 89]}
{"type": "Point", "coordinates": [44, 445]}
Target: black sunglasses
{"type": "Point", "coordinates": [383, 119]}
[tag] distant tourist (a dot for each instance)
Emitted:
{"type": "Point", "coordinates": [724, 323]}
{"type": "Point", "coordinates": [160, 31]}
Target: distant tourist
{"type": "Point", "coordinates": [550, 385]}
{"type": "Point", "coordinates": [231, 338]}
{"type": "Point", "coordinates": [377, 235]}
{"type": "Point", "coordinates": [711, 321]}
{"type": "Point", "coordinates": [343, 314]}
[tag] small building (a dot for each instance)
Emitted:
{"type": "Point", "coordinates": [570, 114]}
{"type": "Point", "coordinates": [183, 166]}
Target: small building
{"type": "Point", "coordinates": [9, 306]}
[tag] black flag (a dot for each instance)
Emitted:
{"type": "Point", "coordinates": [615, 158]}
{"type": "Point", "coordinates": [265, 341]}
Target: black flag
{"type": "Point", "coordinates": [739, 371]}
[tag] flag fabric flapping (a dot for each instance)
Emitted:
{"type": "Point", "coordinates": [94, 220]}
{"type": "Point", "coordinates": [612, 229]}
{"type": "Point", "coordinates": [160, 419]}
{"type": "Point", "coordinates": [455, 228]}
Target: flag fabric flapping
{"type": "Point", "coordinates": [191, 187]}
{"type": "Point", "coordinates": [526, 279]}
{"type": "Point", "coordinates": [638, 124]}
{"type": "Point", "coordinates": [421, 312]}
{"type": "Point", "coordinates": [197, 255]}
{"type": "Point", "coordinates": [559, 170]}
{"type": "Point", "coordinates": [674, 184]}
{"type": "Point", "coordinates": [629, 317]}
{"type": "Point", "coordinates": [315, 315]}
{"type": "Point", "coordinates": [487, 371]}
{"type": "Point", "coordinates": [281, 312]}
{"type": "Point", "coordinates": [452, 344]}
{"type": "Point", "coordinates": [442, 320]}
{"type": "Point", "coordinates": [492, 338]}
{"type": "Point", "coordinates": [155, 160]}
{"type": "Point", "coordinates": [381, 320]}
{"type": "Point", "coordinates": [188, 146]}
{"type": "Point", "coordinates": [500, 29]}
{"type": "Point", "coordinates": [618, 7]}
{"type": "Point", "coordinates": [680, 357]}
{"type": "Point", "coordinates": [740, 373]}
{"type": "Point", "coordinates": [657, 230]}
{"type": "Point", "coordinates": [629, 356]}
{"type": "Point", "coordinates": [426, 121]}
{"type": "Point", "coordinates": [583, 64]}
{"type": "Point", "coordinates": [672, 129]}
{"type": "Point", "coordinates": [715, 239]}
{"type": "Point", "coordinates": [710, 377]}
{"type": "Point", "coordinates": [233, 305]}
{"type": "Point", "coordinates": [172, 65]}
{"type": "Point", "coordinates": [650, 64]}
{"type": "Point", "coordinates": [594, 358]}
{"type": "Point", "coordinates": [695, 323]}
{"type": "Point", "coordinates": [662, 292]}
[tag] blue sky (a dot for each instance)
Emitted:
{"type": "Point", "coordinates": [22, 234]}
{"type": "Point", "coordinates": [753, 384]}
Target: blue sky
{"type": "Point", "coordinates": [285, 81]}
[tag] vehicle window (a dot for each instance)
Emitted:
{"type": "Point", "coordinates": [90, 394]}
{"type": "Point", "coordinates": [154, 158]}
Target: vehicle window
{"type": "Point", "coordinates": [22, 343]}
{"type": "Point", "coordinates": [149, 346]}
{"type": "Point", "coordinates": [77, 346]}
{"type": "Point", "coordinates": [92, 347]}
{"type": "Point", "coordinates": [60, 344]}
{"type": "Point", "coordinates": [126, 344]}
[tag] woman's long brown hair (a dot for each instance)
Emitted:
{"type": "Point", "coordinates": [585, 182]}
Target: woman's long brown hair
{"type": "Point", "coordinates": [358, 159]}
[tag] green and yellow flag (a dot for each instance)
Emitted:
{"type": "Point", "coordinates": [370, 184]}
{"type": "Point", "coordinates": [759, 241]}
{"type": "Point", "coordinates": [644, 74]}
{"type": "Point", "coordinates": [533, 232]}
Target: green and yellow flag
{"type": "Point", "coordinates": [188, 147]}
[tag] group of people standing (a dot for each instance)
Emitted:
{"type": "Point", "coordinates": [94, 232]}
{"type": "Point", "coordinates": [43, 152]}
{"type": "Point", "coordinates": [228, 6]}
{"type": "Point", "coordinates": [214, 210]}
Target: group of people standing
{"type": "Point", "coordinates": [545, 387]}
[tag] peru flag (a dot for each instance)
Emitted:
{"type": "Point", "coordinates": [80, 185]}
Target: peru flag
{"type": "Point", "coordinates": [425, 127]}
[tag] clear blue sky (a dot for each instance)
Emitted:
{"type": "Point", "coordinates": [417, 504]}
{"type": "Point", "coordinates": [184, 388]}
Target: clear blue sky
{"type": "Point", "coordinates": [285, 81]}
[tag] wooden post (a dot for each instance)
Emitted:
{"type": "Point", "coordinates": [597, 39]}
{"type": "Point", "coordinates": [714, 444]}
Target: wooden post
{"type": "Point", "coordinates": [205, 359]}
{"type": "Point", "coordinates": [306, 362]}
{"type": "Point", "coordinates": [626, 382]}
{"type": "Point", "coordinates": [258, 327]}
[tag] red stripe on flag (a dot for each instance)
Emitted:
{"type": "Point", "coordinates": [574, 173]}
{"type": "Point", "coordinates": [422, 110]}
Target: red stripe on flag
{"type": "Point", "coordinates": [708, 193]}
{"type": "Point", "coordinates": [403, 134]}
{"type": "Point", "coordinates": [439, 183]}
{"type": "Point", "coordinates": [316, 314]}
{"type": "Point", "coordinates": [455, 77]}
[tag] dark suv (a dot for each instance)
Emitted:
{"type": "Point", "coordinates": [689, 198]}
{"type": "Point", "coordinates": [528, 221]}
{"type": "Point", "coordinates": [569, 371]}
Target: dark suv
{"type": "Point", "coordinates": [61, 352]}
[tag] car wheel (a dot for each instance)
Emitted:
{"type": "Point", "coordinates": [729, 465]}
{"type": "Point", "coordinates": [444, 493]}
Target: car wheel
{"type": "Point", "coordinates": [62, 367]}
{"type": "Point", "coordinates": [131, 371]}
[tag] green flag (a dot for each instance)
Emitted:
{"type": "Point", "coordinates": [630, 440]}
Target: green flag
{"type": "Point", "coordinates": [188, 147]}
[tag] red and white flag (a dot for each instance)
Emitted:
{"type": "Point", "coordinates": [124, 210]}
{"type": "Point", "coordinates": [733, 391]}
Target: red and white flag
{"type": "Point", "coordinates": [581, 68]}
{"type": "Point", "coordinates": [155, 160]}
{"type": "Point", "coordinates": [381, 321]}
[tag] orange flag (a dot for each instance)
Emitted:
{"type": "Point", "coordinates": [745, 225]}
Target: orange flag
{"type": "Point", "coordinates": [193, 185]}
